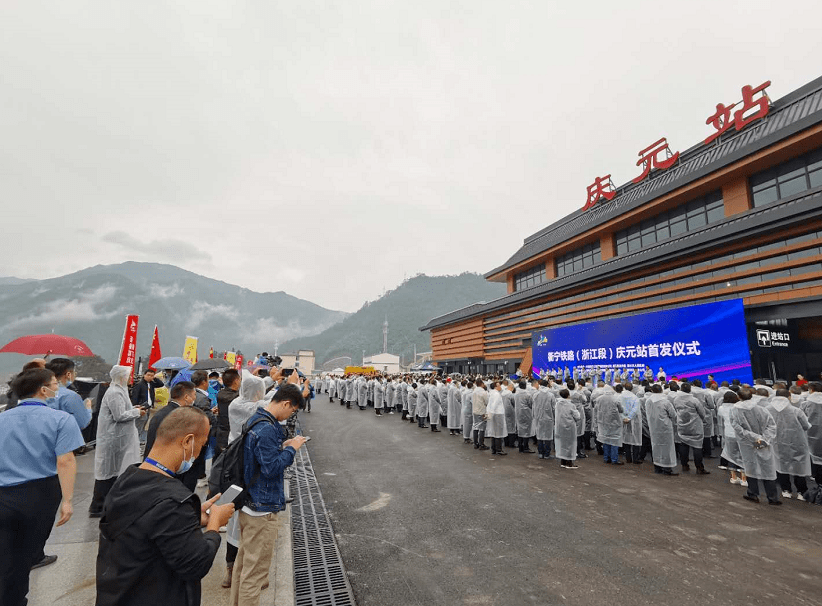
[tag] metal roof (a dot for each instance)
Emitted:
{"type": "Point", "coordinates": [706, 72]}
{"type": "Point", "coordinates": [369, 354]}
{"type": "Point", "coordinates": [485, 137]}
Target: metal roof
{"type": "Point", "coordinates": [804, 206]}
{"type": "Point", "coordinates": [792, 113]}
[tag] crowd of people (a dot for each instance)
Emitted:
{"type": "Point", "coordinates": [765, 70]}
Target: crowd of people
{"type": "Point", "coordinates": [151, 442]}
{"type": "Point", "coordinates": [760, 433]}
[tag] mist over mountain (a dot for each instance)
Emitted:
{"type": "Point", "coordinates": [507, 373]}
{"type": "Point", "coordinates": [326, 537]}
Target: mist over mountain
{"type": "Point", "coordinates": [92, 304]}
{"type": "Point", "coordinates": [407, 307]}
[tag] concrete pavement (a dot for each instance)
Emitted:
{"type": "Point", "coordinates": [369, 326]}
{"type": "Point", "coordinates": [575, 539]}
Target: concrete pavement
{"type": "Point", "coordinates": [422, 518]}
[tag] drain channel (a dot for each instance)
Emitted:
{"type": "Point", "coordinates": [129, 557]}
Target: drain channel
{"type": "Point", "coordinates": [319, 575]}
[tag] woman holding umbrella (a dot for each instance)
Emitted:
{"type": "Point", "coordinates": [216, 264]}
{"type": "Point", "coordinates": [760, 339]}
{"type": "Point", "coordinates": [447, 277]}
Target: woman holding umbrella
{"type": "Point", "coordinates": [118, 444]}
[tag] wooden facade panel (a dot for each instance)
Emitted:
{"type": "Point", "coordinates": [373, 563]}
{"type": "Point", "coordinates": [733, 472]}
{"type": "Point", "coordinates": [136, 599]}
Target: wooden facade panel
{"type": "Point", "coordinates": [736, 196]}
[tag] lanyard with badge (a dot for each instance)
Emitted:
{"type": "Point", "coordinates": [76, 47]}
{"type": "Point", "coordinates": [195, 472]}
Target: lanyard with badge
{"type": "Point", "coordinates": [31, 403]}
{"type": "Point", "coordinates": [160, 466]}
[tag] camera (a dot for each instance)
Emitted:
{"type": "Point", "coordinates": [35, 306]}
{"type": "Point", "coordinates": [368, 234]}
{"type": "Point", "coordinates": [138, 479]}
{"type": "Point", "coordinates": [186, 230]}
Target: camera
{"type": "Point", "coordinates": [274, 360]}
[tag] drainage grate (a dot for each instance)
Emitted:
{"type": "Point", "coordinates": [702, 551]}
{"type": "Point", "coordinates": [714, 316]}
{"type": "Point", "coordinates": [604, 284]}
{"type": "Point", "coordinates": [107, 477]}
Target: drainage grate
{"type": "Point", "coordinates": [319, 574]}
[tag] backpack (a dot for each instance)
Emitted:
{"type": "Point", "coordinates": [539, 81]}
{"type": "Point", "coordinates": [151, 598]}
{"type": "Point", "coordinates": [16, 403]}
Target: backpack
{"type": "Point", "coordinates": [229, 467]}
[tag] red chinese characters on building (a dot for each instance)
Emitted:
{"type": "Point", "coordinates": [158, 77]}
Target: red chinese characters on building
{"type": "Point", "coordinates": [722, 119]}
{"type": "Point", "coordinates": [602, 187]}
{"type": "Point", "coordinates": [649, 158]}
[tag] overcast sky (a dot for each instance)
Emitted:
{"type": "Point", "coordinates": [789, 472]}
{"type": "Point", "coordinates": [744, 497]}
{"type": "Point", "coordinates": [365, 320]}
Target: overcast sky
{"type": "Point", "coordinates": [330, 149]}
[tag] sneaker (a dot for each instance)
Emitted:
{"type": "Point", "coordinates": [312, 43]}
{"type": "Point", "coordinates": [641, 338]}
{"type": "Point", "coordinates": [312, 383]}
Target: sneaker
{"type": "Point", "coordinates": [735, 481]}
{"type": "Point", "coordinates": [743, 482]}
{"type": "Point", "coordinates": [799, 497]}
{"type": "Point", "coordinates": [722, 467]}
{"type": "Point", "coordinates": [786, 494]}
{"type": "Point", "coordinates": [774, 502]}
{"type": "Point", "coordinates": [571, 466]}
{"type": "Point", "coordinates": [748, 497]}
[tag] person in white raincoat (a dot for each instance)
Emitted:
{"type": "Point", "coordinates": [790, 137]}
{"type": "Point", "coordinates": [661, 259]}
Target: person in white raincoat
{"type": "Point", "coordinates": [610, 420]}
{"type": "Point", "coordinates": [454, 408]}
{"type": "Point", "coordinates": [496, 428]}
{"type": "Point", "coordinates": [118, 443]}
{"type": "Point", "coordinates": [543, 402]}
{"type": "Point", "coordinates": [812, 407]}
{"type": "Point", "coordinates": [661, 423]}
{"type": "Point", "coordinates": [756, 432]}
{"type": "Point", "coordinates": [566, 416]}
{"type": "Point", "coordinates": [434, 405]}
{"type": "Point", "coordinates": [793, 460]}
{"type": "Point", "coordinates": [690, 425]}
{"type": "Point", "coordinates": [525, 418]}
{"type": "Point", "coordinates": [731, 458]}
{"type": "Point", "coordinates": [467, 416]}
{"type": "Point", "coordinates": [510, 412]}
{"type": "Point", "coordinates": [422, 403]}
{"type": "Point", "coordinates": [241, 408]}
{"type": "Point", "coordinates": [631, 431]}
{"type": "Point", "coordinates": [379, 396]}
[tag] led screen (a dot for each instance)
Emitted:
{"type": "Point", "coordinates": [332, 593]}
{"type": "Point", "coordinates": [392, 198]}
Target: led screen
{"type": "Point", "coordinates": [689, 343]}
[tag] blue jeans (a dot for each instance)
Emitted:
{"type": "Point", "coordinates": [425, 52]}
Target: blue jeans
{"type": "Point", "coordinates": [611, 453]}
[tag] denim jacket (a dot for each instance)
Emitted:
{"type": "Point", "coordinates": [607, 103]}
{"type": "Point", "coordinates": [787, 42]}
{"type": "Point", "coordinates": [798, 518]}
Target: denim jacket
{"type": "Point", "coordinates": [262, 454]}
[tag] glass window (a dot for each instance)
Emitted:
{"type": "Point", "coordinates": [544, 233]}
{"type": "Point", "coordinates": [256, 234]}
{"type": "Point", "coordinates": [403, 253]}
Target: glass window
{"type": "Point", "coordinates": [787, 179]}
{"type": "Point", "coordinates": [583, 257]}
{"type": "Point", "coordinates": [678, 228]}
{"type": "Point", "coordinates": [530, 277]}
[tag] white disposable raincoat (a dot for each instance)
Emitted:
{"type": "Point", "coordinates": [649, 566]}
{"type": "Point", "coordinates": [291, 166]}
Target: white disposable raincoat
{"type": "Point", "coordinates": [690, 419]}
{"type": "Point", "coordinates": [791, 445]}
{"type": "Point", "coordinates": [565, 429]}
{"type": "Point", "coordinates": [525, 417]}
{"type": "Point", "coordinates": [243, 407]}
{"type": "Point", "coordinates": [812, 407]}
{"type": "Point", "coordinates": [496, 427]}
{"type": "Point", "coordinates": [661, 422]}
{"type": "Point", "coordinates": [543, 402]}
{"type": "Point", "coordinates": [609, 419]}
{"type": "Point", "coordinates": [753, 423]}
{"type": "Point", "coordinates": [631, 432]}
{"type": "Point", "coordinates": [118, 444]}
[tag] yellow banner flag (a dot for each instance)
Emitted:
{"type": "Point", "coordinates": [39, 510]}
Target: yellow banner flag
{"type": "Point", "coordinates": [190, 350]}
{"type": "Point", "coordinates": [231, 357]}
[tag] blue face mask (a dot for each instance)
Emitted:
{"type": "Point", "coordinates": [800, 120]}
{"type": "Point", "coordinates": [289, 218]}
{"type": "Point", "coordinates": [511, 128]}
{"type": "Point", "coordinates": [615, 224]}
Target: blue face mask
{"type": "Point", "coordinates": [187, 463]}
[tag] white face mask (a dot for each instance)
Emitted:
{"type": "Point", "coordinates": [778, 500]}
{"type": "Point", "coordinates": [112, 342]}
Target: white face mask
{"type": "Point", "coordinates": [54, 393]}
{"type": "Point", "coordinates": [187, 463]}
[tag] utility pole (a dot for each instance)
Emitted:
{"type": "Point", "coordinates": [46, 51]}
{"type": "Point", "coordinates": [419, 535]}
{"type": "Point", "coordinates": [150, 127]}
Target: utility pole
{"type": "Point", "coordinates": [385, 335]}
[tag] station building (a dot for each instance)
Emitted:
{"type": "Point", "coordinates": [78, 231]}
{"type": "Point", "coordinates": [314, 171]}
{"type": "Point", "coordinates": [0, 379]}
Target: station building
{"type": "Point", "coordinates": [738, 215]}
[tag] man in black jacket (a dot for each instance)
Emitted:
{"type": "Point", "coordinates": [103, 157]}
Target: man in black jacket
{"type": "Point", "coordinates": [152, 549]}
{"type": "Point", "coordinates": [182, 394]}
{"type": "Point", "coordinates": [231, 380]}
{"type": "Point", "coordinates": [142, 394]}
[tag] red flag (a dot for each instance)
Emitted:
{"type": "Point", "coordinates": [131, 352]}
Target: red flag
{"type": "Point", "coordinates": [239, 363]}
{"type": "Point", "coordinates": [128, 349]}
{"type": "Point", "coordinates": [211, 353]}
{"type": "Point", "coordinates": [155, 354]}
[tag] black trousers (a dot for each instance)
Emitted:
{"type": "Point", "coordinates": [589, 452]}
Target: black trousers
{"type": "Point", "coordinates": [770, 488]}
{"type": "Point", "coordinates": [683, 455]}
{"type": "Point", "coordinates": [26, 517]}
{"type": "Point", "coordinates": [631, 452]}
{"type": "Point", "coordinates": [101, 489]}
{"type": "Point", "coordinates": [784, 480]}
{"type": "Point", "coordinates": [816, 472]}
{"type": "Point", "coordinates": [706, 447]}
{"type": "Point", "coordinates": [645, 448]}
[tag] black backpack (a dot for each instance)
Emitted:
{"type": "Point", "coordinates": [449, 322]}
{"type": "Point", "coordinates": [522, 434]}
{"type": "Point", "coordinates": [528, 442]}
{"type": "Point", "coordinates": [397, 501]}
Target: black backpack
{"type": "Point", "coordinates": [228, 468]}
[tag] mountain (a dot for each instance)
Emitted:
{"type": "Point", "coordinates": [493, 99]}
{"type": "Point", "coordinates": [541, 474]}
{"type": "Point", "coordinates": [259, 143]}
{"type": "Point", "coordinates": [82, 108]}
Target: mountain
{"type": "Point", "coordinates": [9, 280]}
{"type": "Point", "coordinates": [92, 304]}
{"type": "Point", "coordinates": [407, 307]}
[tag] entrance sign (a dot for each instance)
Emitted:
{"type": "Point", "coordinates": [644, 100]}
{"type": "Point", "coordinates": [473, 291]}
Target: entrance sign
{"type": "Point", "coordinates": [688, 343]}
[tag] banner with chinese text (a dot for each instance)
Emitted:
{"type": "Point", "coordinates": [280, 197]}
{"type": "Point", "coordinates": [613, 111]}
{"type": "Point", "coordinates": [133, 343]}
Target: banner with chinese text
{"type": "Point", "coordinates": [689, 343]}
{"type": "Point", "coordinates": [128, 348]}
{"type": "Point", "coordinates": [190, 350]}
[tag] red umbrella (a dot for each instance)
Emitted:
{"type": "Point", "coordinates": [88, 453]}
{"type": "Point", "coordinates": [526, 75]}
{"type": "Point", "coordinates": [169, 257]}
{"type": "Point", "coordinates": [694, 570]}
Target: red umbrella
{"type": "Point", "coordinates": [47, 344]}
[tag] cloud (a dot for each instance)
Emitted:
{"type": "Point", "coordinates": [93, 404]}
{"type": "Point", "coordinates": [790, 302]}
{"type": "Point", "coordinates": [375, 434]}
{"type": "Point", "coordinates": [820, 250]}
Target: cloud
{"type": "Point", "coordinates": [165, 292]}
{"type": "Point", "coordinates": [202, 310]}
{"type": "Point", "coordinates": [80, 309]}
{"type": "Point", "coordinates": [167, 250]}
{"type": "Point", "coordinates": [266, 331]}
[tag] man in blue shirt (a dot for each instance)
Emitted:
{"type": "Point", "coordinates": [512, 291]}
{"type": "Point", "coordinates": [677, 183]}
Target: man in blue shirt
{"type": "Point", "coordinates": [37, 475]}
{"type": "Point", "coordinates": [265, 457]}
{"type": "Point", "coordinates": [68, 400]}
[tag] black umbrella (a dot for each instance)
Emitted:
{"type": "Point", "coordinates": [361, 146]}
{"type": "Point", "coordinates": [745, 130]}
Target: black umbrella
{"type": "Point", "coordinates": [211, 364]}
